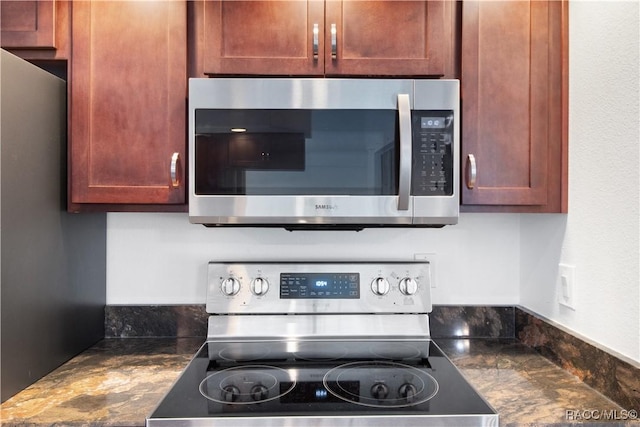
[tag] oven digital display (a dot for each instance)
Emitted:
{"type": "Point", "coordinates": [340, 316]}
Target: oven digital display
{"type": "Point", "coordinates": [320, 285]}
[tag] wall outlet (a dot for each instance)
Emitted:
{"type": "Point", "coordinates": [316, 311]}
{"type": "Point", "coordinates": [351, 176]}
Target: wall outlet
{"type": "Point", "coordinates": [566, 285]}
{"type": "Point", "coordinates": [431, 257]}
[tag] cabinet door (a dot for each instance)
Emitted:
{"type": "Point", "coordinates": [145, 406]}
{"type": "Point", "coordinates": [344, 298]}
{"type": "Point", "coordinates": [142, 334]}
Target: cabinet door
{"type": "Point", "coordinates": [389, 37]}
{"type": "Point", "coordinates": [512, 87]}
{"type": "Point", "coordinates": [27, 24]}
{"type": "Point", "coordinates": [128, 102]}
{"type": "Point", "coordinates": [263, 37]}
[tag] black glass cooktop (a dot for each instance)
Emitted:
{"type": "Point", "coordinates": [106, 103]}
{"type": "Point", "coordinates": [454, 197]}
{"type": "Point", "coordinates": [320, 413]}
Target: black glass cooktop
{"type": "Point", "coordinates": [277, 383]}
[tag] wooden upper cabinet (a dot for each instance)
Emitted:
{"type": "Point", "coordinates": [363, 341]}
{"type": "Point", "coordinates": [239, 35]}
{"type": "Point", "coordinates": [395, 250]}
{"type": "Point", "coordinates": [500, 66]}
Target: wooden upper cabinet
{"type": "Point", "coordinates": [128, 103]}
{"type": "Point", "coordinates": [262, 37]}
{"type": "Point", "coordinates": [27, 24]}
{"type": "Point", "coordinates": [389, 38]}
{"type": "Point", "coordinates": [317, 37]}
{"type": "Point", "coordinates": [36, 30]}
{"type": "Point", "coordinates": [513, 89]}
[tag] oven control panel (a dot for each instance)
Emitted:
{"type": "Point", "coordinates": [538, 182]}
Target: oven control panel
{"type": "Point", "coordinates": [318, 287]}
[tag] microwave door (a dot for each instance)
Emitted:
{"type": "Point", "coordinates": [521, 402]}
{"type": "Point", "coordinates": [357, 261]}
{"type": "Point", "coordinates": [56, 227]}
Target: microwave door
{"type": "Point", "coordinates": [317, 166]}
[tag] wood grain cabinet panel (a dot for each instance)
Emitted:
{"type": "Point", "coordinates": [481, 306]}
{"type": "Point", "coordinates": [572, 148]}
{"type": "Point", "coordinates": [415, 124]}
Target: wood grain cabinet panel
{"type": "Point", "coordinates": [38, 31]}
{"type": "Point", "coordinates": [128, 102]}
{"type": "Point", "coordinates": [389, 38]}
{"type": "Point", "coordinates": [512, 96]}
{"type": "Point", "coordinates": [27, 24]}
{"type": "Point", "coordinates": [262, 37]}
{"type": "Point", "coordinates": [295, 37]}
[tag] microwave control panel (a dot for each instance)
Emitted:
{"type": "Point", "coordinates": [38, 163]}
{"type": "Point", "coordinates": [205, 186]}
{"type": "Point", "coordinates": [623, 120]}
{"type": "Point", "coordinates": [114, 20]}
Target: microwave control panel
{"type": "Point", "coordinates": [432, 169]}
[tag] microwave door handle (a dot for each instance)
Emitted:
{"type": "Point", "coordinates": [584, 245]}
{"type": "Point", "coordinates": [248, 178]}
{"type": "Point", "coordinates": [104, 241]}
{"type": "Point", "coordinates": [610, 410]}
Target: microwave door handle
{"type": "Point", "coordinates": [404, 184]}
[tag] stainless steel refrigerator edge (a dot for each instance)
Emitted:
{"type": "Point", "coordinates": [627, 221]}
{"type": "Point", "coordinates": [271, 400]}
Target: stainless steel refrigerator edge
{"type": "Point", "coordinates": [53, 264]}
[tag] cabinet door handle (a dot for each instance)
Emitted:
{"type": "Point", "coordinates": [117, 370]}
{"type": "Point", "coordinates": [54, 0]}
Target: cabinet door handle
{"type": "Point", "coordinates": [334, 42]}
{"type": "Point", "coordinates": [471, 171]}
{"type": "Point", "coordinates": [315, 41]}
{"type": "Point", "coordinates": [175, 179]}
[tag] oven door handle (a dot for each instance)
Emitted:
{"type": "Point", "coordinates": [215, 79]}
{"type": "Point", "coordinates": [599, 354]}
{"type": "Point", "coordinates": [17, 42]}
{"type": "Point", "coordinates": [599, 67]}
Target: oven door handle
{"type": "Point", "coordinates": [404, 184]}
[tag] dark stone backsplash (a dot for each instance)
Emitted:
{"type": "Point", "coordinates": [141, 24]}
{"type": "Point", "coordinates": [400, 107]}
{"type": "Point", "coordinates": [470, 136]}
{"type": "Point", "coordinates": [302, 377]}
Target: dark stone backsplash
{"type": "Point", "coordinates": [472, 322]}
{"type": "Point", "coordinates": [604, 372]}
{"type": "Point", "coordinates": [128, 321]}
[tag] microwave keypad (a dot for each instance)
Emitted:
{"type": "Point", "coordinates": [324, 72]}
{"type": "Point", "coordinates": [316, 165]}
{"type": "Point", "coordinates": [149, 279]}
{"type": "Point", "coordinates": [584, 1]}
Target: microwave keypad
{"type": "Point", "coordinates": [432, 153]}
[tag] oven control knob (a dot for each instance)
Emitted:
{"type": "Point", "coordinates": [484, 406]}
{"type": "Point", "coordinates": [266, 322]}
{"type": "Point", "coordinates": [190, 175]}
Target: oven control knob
{"type": "Point", "coordinates": [379, 391]}
{"type": "Point", "coordinates": [408, 392]}
{"type": "Point", "coordinates": [259, 286]}
{"type": "Point", "coordinates": [408, 286]}
{"type": "Point", "coordinates": [259, 392]}
{"type": "Point", "coordinates": [230, 286]}
{"type": "Point", "coordinates": [380, 286]}
{"type": "Point", "coordinates": [230, 393]}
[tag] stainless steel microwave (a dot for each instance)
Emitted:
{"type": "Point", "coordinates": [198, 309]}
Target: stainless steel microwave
{"type": "Point", "coordinates": [313, 152]}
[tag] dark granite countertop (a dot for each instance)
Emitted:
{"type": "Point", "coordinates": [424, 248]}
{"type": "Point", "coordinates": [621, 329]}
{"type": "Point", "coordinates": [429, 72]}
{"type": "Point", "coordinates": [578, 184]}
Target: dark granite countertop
{"type": "Point", "coordinates": [118, 382]}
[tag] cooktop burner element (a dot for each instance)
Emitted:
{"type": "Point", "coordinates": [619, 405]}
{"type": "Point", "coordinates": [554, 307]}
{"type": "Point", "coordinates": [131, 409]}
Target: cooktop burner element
{"type": "Point", "coordinates": [247, 385]}
{"type": "Point", "coordinates": [393, 385]}
{"type": "Point", "coordinates": [320, 345]}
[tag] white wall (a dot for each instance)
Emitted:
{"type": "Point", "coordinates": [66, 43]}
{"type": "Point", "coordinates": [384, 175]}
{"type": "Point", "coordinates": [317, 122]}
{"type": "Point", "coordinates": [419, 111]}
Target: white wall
{"type": "Point", "coordinates": [162, 258]}
{"type": "Point", "coordinates": [600, 235]}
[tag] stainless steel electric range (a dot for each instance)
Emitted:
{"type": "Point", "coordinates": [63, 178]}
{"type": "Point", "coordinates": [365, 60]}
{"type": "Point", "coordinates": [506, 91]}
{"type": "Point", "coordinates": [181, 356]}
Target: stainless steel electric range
{"type": "Point", "coordinates": [320, 344]}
